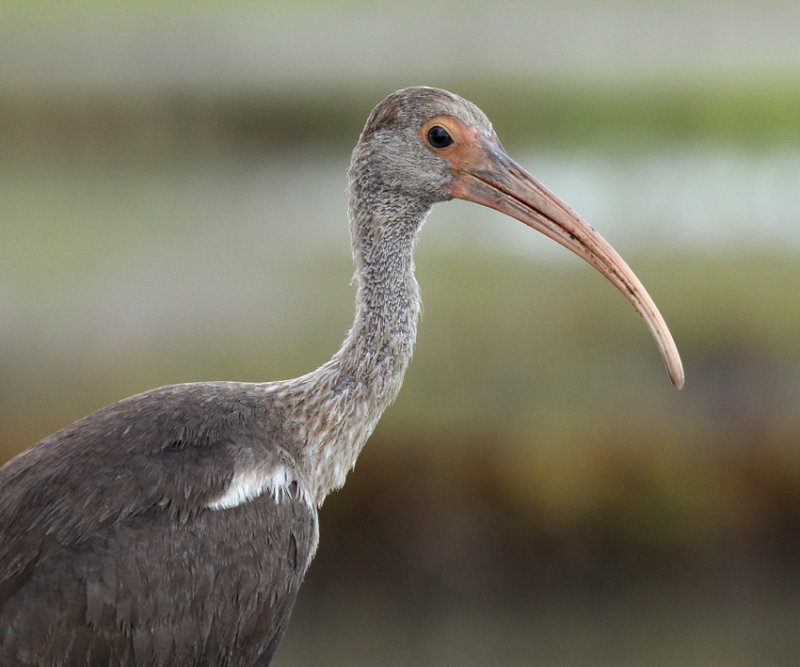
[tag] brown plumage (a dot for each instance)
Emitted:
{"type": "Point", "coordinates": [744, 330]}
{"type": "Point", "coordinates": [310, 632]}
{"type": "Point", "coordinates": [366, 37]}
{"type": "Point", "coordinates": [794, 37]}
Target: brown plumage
{"type": "Point", "coordinates": [175, 526]}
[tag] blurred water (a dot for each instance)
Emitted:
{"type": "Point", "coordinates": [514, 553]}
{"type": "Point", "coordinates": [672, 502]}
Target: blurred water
{"type": "Point", "coordinates": [141, 250]}
{"type": "Point", "coordinates": [232, 229]}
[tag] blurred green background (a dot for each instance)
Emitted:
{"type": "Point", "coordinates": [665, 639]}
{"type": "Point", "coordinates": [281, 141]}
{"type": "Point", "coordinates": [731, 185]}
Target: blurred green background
{"type": "Point", "coordinates": [172, 202]}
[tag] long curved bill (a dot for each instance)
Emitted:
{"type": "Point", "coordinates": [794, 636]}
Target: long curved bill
{"type": "Point", "coordinates": [488, 176]}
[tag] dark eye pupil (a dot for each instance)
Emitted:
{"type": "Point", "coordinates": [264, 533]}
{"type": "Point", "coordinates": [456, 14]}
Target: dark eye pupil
{"type": "Point", "coordinates": [438, 137]}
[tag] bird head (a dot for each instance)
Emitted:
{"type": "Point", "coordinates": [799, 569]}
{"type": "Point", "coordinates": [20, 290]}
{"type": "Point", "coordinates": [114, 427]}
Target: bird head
{"type": "Point", "coordinates": [395, 152]}
{"type": "Point", "coordinates": [423, 145]}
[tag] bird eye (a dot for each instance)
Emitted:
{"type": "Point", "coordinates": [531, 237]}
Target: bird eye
{"type": "Point", "coordinates": [438, 137]}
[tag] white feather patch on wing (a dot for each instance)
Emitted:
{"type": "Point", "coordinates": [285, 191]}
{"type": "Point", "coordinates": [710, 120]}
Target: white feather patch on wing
{"type": "Point", "coordinates": [250, 484]}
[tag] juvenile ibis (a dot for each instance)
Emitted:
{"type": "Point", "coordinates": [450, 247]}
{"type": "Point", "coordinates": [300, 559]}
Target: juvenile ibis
{"type": "Point", "coordinates": [175, 526]}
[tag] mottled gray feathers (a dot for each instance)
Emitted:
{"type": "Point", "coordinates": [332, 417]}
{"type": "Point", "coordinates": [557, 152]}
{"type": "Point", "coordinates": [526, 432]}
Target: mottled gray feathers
{"type": "Point", "coordinates": [411, 107]}
{"type": "Point", "coordinates": [115, 547]}
{"type": "Point", "coordinates": [109, 556]}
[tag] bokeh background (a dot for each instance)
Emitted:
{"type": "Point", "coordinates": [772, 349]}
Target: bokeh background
{"type": "Point", "coordinates": [172, 208]}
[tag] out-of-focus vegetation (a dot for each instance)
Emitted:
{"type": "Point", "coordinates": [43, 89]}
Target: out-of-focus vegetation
{"type": "Point", "coordinates": [759, 114]}
{"type": "Point", "coordinates": [538, 494]}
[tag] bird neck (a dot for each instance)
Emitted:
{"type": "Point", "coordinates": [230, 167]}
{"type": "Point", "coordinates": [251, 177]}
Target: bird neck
{"type": "Point", "coordinates": [344, 398]}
